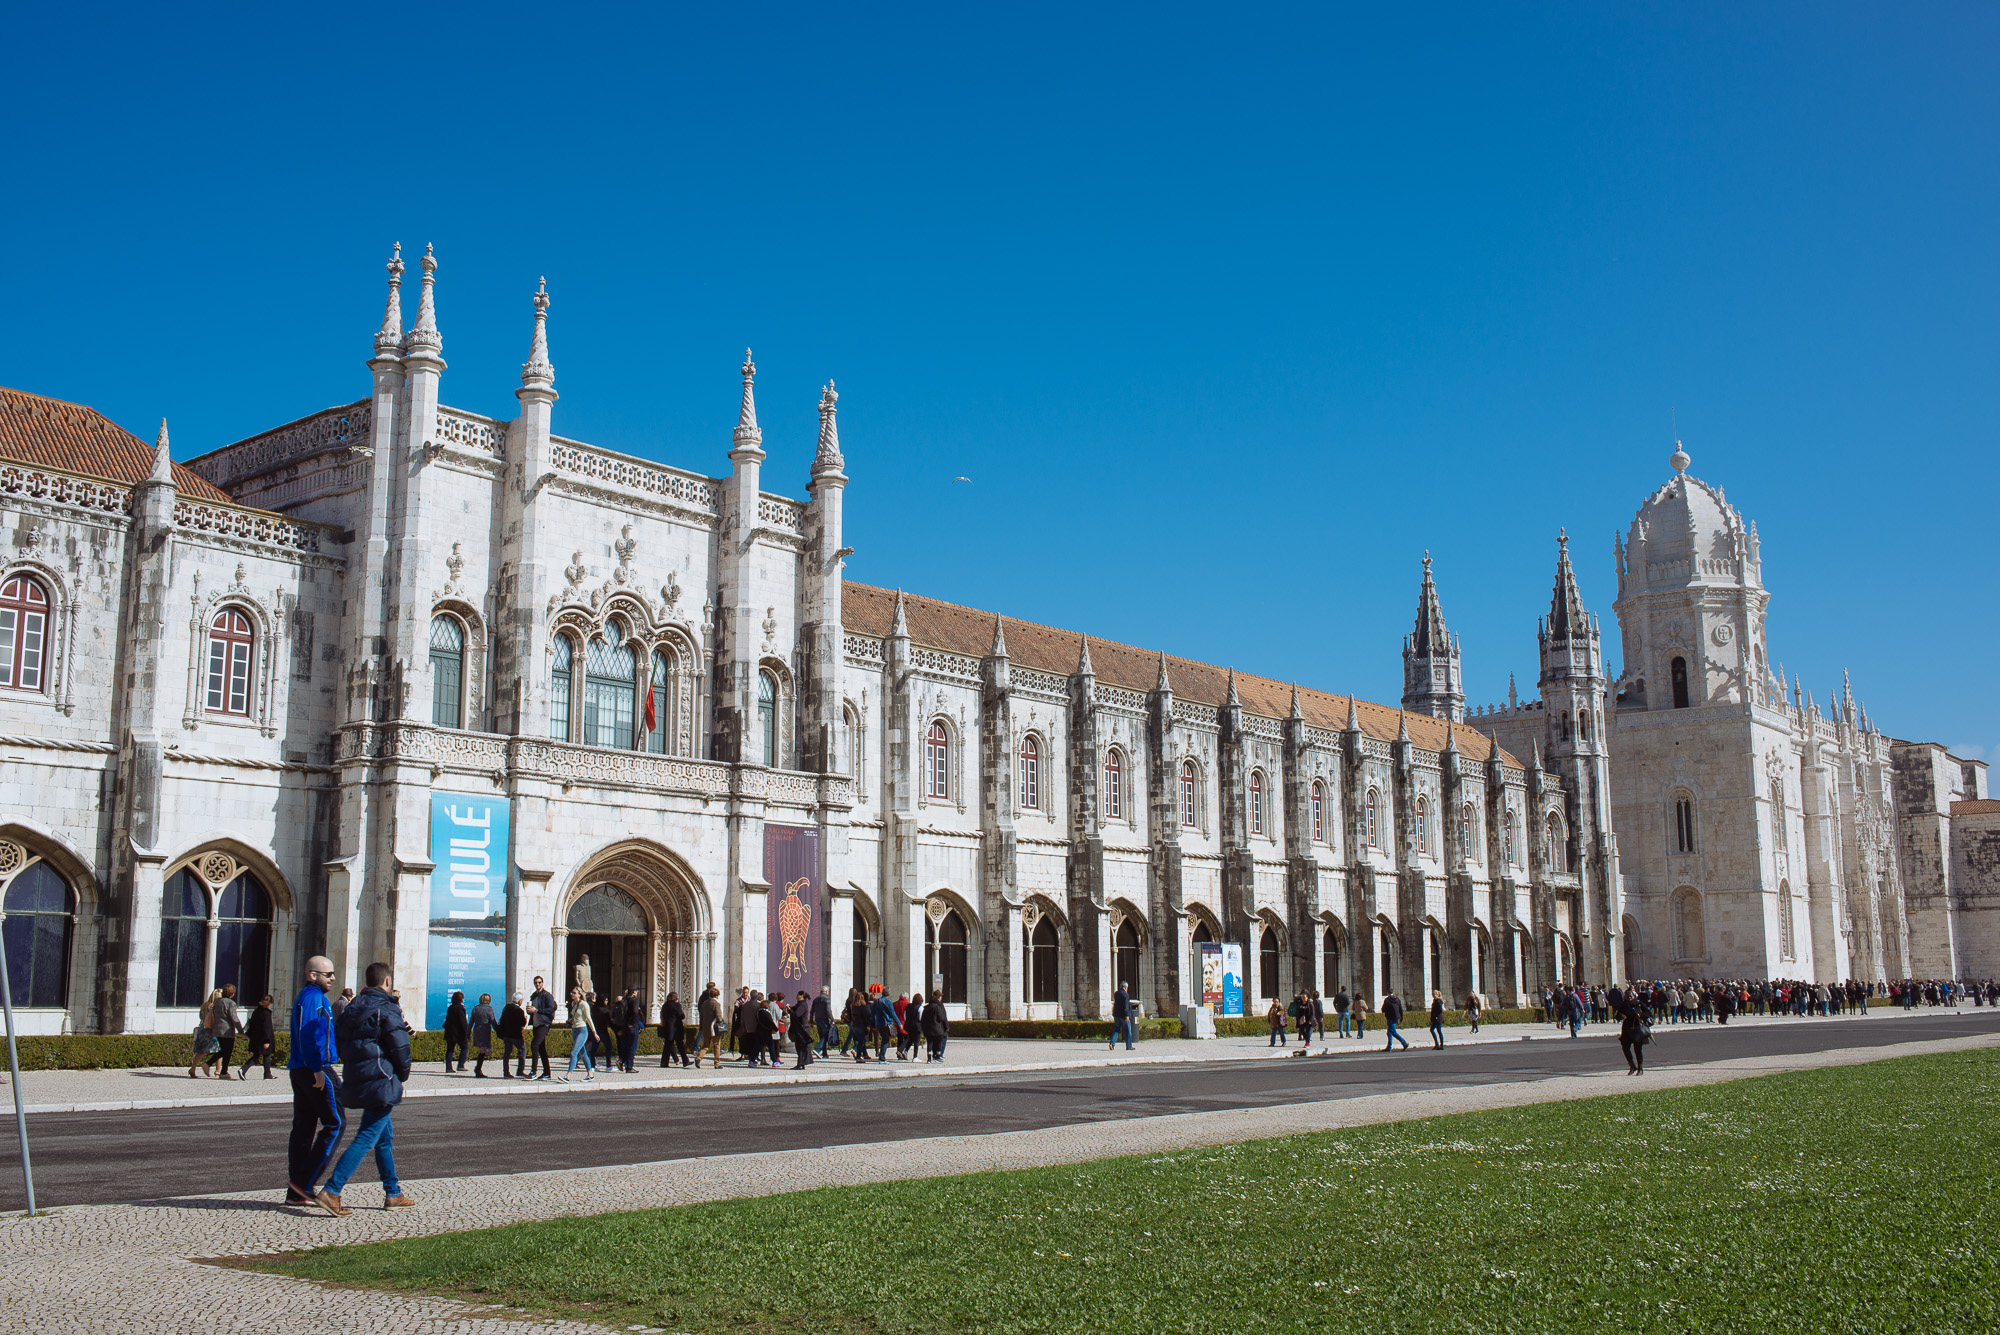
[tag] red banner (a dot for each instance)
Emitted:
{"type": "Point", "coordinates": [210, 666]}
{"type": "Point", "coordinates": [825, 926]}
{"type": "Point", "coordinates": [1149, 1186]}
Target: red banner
{"type": "Point", "coordinates": [796, 958]}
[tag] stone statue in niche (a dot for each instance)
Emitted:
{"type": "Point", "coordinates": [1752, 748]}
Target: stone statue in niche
{"type": "Point", "coordinates": [582, 977]}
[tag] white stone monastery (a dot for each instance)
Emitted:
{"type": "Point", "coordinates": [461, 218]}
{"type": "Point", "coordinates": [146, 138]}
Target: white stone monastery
{"type": "Point", "coordinates": [397, 681]}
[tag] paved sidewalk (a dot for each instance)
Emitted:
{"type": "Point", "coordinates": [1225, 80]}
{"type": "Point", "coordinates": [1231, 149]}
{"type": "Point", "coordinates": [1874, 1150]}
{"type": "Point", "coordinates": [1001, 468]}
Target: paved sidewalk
{"type": "Point", "coordinates": [154, 1087]}
{"type": "Point", "coordinates": [127, 1269]}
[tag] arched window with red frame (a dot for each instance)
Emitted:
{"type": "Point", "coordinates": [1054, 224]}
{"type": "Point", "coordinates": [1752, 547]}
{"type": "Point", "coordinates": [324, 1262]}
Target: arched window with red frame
{"type": "Point", "coordinates": [1114, 785]}
{"type": "Point", "coordinates": [1187, 793]}
{"type": "Point", "coordinates": [1031, 774]}
{"type": "Point", "coordinates": [229, 642]}
{"type": "Point", "coordinates": [1319, 812]}
{"type": "Point", "coordinates": [24, 633]}
{"type": "Point", "coordinates": [937, 761]}
{"type": "Point", "coordinates": [1256, 801]}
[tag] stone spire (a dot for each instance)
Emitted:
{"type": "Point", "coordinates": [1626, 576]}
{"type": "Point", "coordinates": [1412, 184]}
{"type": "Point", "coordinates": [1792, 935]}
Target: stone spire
{"type": "Point", "coordinates": [1353, 717]}
{"type": "Point", "coordinates": [1433, 681]}
{"type": "Point", "coordinates": [1450, 738]}
{"type": "Point", "coordinates": [424, 336]}
{"type": "Point", "coordinates": [1083, 668]}
{"type": "Point", "coordinates": [1232, 688]}
{"type": "Point", "coordinates": [1536, 763]}
{"type": "Point", "coordinates": [1567, 616]}
{"type": "Point", "coordinates": [999, 649]}
{"type": "Point", "coordinates": [899, 629]}
{"type": "Point", "coordinates": [748, 435]}
{"type": "Point", "coordinates": [163, 464]}
{"type": "Point", "coordinates": [389, 341]}
{"type": "Point", "coordinates": [1402, 725]}
{"type": "Point", "coordinates": [828, 455]}
{"type": "Point", "coordinates": [1163, 684]}
{"type": "Point", "coordinates": [1430, 636]}
{"type": "Point", "coordinates": [1846, 681]}
{"type": "Point", "coordinates": [536, 373]}
{"type": "Point", "coordinates": [1296, 711]}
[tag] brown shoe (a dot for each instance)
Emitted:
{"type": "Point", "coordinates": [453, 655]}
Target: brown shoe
{"type": "Point", "coordinates": [330, 1202]}
{"type": "Point", "coordinates": [399, 1203]}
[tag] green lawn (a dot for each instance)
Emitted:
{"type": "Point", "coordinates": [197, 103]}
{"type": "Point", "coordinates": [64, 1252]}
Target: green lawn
{"type": "Point", "coordinates": [1859, 1198]}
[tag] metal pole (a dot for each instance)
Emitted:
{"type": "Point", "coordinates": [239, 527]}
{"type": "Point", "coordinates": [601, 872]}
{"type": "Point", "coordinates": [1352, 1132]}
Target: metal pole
{"type": "Point", "coordinates": [14, 1072]}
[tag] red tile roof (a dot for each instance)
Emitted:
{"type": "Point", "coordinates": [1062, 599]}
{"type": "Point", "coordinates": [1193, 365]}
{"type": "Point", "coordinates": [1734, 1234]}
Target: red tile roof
{"type": "Point", "coordinates": [68, 436]}
{"type": "Point", "coordinates": [1978, 806]}
{"type": "Point", "coordinates": [867, 610]}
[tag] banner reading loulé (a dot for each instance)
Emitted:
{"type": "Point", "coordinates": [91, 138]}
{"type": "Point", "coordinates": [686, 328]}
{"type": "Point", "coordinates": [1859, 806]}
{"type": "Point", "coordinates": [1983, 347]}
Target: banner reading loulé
{"type": "Point", "coordinates": [468, 918]}
{"type": "Point", "coordinates": [796, 951]}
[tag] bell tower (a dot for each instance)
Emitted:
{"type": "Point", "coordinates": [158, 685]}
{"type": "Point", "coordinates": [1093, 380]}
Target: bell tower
{"type": "Point", "coordinates": [1432, 681]}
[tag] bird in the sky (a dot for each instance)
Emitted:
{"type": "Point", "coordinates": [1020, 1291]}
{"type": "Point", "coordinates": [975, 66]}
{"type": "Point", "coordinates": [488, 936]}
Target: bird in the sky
{"type": "Point", "coordinates": [961, 479]}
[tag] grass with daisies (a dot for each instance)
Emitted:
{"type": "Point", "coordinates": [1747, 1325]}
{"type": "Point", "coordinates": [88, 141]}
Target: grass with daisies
{"type": "Point", "coordinates": [1859, 1198]}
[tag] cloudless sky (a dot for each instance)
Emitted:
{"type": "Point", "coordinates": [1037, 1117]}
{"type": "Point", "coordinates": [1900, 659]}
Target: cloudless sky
{"type": "Point", "coordinates": [1230, 313]}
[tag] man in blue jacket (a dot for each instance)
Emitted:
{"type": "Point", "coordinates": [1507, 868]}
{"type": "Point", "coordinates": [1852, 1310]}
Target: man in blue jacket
{"type": "Point", "coordinates": [316, 1119]}
{"type": "Point", "coordinates": [1121, 1017]}
{"type": "Point", "coordinates": [374, 1042]}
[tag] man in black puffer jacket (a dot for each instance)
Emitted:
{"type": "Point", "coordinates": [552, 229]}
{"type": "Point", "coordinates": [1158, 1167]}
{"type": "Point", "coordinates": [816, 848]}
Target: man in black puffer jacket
{"type": "Point", "coordinates": [373, 1040]}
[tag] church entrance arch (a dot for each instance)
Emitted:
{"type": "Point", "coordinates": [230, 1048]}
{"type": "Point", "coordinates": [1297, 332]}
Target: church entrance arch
{"type": "Point", "coordinates": [634, 916]}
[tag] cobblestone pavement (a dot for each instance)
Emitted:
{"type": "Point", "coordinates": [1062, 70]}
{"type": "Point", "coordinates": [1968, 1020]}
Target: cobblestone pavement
{"type": "Point", "coordinates": [119, 1269]}
{"type": "Point", "coordinates": [115, 1091]}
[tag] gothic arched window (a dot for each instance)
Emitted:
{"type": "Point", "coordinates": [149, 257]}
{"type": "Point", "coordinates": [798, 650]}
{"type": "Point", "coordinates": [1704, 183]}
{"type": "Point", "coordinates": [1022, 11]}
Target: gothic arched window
{"type": "Point", "coordinates": [767, 717]}
{"type": "Point", "coordinates": [1041, 945]}
{"type": "Point", "coordinates": [1329, 960]}
{"type": "Point", "coordinates": [1127, 965]}
{"type": "Point", "coordinates": [1031, 774]}
{"type": "Point", "coordinates": [1319, 812]}
{"type": "Point", "coordinates": [229, 643]}
{"type": "Point", "coordinates": [1256, 801]}
{"type": "Point", "coordinates": [657, 718]}
{"type": "Point", "coordinates": [40, 922]}
{"type": "Point", "coordinates": [1114, 785]}
{"type": "Point", "coordinates": [1267, 965]}
{"type": "Point", "coordinates": [1680, 673]}
{"type": "Point", "coordinates": [1555, 847]}
{"type": "Point", "coordinates": [1187, 793]}
{"type": "Point", "coordinates": [24, 633]}
{"type": "Point", "coordinates": [937, 761]}
{"type": "Point", "coordinates": [1468, 828]}
{"type": "Point", "coordinates": [1423, 825]}
{"type": "Point", "coordinates": [1683, 823]}
{"type": "Point", "coordinates": [610, 675]}
{"type": "Point", "coordinates": [559, 679]}
{"type": "Point", "coordinates": [447, 672]}
{"type": "Point", "coordinates": [1372, 831]}
{"type": "Point", "coordinates": [1787, 942]}
{"type": "Point", "coordinates": [945, 947]}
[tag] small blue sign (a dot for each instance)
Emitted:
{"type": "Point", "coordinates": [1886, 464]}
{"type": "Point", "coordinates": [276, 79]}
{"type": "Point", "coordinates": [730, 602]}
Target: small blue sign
{"type": "Point", "coordinates": [1232, 978]}
{"type": "Point", "coordinates": [468, 918]}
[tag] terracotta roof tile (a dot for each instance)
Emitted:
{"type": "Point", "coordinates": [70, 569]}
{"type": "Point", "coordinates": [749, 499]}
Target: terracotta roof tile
{"type": "Point", "coordinates": [867, 610]}
{"type": "Point", "coordinates": [1978, 806]}
{"type": "Point", "coordinates": [68, 436]}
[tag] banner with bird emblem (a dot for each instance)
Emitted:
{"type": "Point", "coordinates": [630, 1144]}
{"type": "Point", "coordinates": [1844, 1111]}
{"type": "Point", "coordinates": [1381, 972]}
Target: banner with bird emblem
{"type": "Point", "coordinates": [796, 951]}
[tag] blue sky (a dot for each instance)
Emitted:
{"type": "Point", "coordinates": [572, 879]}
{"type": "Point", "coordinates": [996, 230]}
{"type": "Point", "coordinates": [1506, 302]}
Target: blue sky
{"type": "Point", "coordinates": [1229, 314]}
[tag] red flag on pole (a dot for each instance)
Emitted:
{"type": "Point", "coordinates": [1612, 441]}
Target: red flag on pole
{"type": "Point", "coordinates": [647, 726]}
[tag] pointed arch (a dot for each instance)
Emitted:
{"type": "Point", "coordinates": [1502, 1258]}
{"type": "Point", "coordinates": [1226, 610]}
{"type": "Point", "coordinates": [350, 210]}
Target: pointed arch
{"type": "Point", "coordinates": [679, 914]}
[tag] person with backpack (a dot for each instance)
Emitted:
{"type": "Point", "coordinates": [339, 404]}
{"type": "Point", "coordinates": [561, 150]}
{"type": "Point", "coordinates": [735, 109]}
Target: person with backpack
{"type": "Point", "coordinates": [373, 1039]}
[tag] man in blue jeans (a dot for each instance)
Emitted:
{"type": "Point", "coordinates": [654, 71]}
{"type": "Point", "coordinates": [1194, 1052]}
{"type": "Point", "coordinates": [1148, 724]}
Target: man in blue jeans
{"type": "Point", "coordinates": [316, 1119]}
{"type": "Point", "coordinates": [374, 1042]}
{"type": "Point", "coordinates": [1392, 1011]}
{"type": "Point", "coordinates": [1121, 1018]}
{"type": "Point", "coordinates": [822, 1018]}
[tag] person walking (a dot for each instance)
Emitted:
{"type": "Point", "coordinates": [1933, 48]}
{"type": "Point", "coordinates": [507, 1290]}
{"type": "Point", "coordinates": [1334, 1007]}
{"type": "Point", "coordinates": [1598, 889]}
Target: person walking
{"type": "Point", "coordinates": [882, 1019]}
{"type": "Point", "coordinates": [801, 1032]}
{"type": "Point", "coordinates": [603, 1041]}
{"type": "Point", "coordinates": [542, 1017]}
{"type": "Point", "coordinates": [1121, 1018]}
{"type": "Point", "coordinates": [260, 1038]}
{"type": "Point", "coordinates": [1304, 1017]}
{"type": "Point", "coordinates": [373, 1038]}
{"type": "Point", "coordinates": [1392, 1013]}
{"type": "Point", "coordinates": [1319, 1014]}
{"type": "Point", "coordinates": [1635, 1031]}
{"type": "Point", "coordinates": [761, 1040]}
{"type": "Point", "coordinates": [822, 1018]}
{"type": "Point", "coordinates": [937, 1026]}
{"type": "Point", "coordinates": [708, 1011]}
{"type": "Point", "coordinates": [225, 1022]}
{"type": "Point", "coordinates": [513, 1028]}
{"type": "Point", "coordinates": [1472, 1009]}
{"type": "Point", "coordinates": [632, 1020]}
{"type": "Point", "coordinates": [481, 1022]}
{"type": "Point", "coordinates": [1437, 1018]}
{"type": "Point", "coordinates": [673, 1032]}
{"type": "Point", "coordinates": [856, 1016]}
{"type": "Point", "coordinates": [316, 1117]}
{"type": "Point", "coordinates": [1360, 1015]}
{"type": "Point", "coordinates": [1342, 1006]}
{"type": "Point", "coordinates": [340, 1002]}
{"type": "Point", "coordinates": [910, 1030]}
{"type": "Point", "coordinates": [456, 1031]}
{"type": "Point", "coordinates": [582, 1030]}
{"type": "Point", "coordinates": [1275, 1017]}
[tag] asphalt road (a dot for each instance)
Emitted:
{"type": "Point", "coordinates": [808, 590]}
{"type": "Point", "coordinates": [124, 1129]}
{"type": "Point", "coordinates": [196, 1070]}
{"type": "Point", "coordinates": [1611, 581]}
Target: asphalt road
{"type": "Point", "coordinates": [85, 1158]}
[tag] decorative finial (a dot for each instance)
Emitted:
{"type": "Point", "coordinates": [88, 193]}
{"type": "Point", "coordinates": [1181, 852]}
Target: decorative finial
{"type": "Point", "coordinates": [1083, 668]}
{"type": "Point", "coordinates": [748, 435]}
{"type": "Point", "coordinates": [1562, 538]}
{"type": "Point", "coordinates": [1353, 716]}
{"type": "Point", "coordinates": [1232, 688]}
{"type": "Point", "coordinates": [1163, 684]}
{"type": "Point", "coordinates": [1296, 711]}
{"type": "Point", "coordinates": [1402, 725]}
{"type": "Point", "coordinates": [828, 455]}
{"type": "Point", "coordinates": [1680, 458]}
{"type": "Point", "coordinates": [536, 372]}
{"type": "Point", "coordinates": [899, 628]}
{"type": "Point", "coordinates": [999, 649]}
{"type": "Point", "coordinates": [389, 341]}
{"type": "Point", "coordinates": [1427, 562]}
{"type": "Point", "coordinates": [1450, 736]}
{"type": "Point", "coordinates": [163, 464]}
{"type": "Point", "coordinates": [424, 336]}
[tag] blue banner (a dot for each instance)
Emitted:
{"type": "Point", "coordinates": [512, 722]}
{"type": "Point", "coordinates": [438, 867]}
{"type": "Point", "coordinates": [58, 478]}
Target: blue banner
{"type": "Point", "coordinates": [468, 933]}
{"type": "Point", "coordinates": [1232, 978]}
